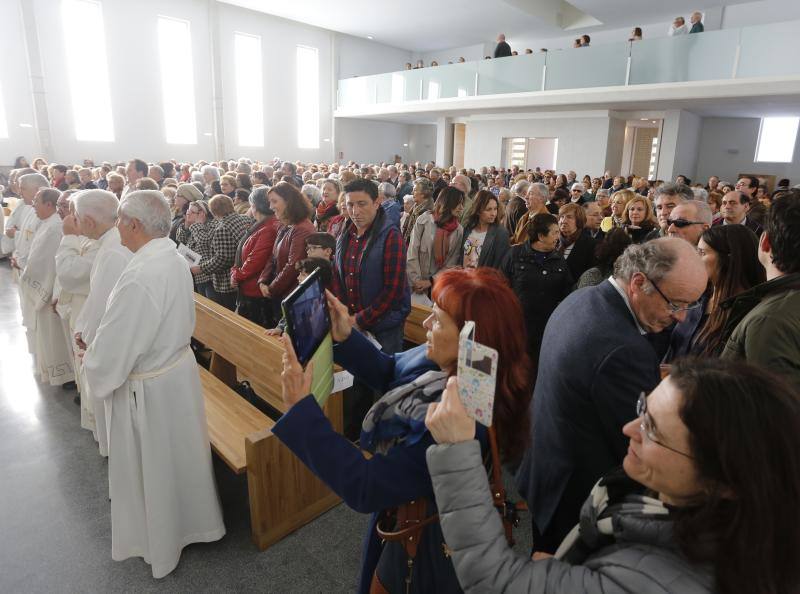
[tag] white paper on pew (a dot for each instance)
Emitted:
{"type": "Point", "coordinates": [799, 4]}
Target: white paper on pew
{"type": "Point", "coordinates": [421, 299]}
{"type": "Point", "coordinates": [342, 380]}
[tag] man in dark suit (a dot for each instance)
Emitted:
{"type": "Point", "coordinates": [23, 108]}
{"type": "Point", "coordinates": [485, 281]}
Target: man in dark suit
{"type": "Point", "coordinates": [503, 50]}
{"type": "Point", "coordinates": [596, 359]}
{"type": "Point", "coordinates": [697, 23]}
{"type": "Point", "coordinates": [734, 211]}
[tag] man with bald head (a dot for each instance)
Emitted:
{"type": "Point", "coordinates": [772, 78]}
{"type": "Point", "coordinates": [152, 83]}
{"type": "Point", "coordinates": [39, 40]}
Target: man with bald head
{"type": "Point", "coordinates": [503, 50]}
{"type": "Point", "coordinates": [163, 495]}
{"type": "Point", "coordinates": [689, 220]}
{"type": "Point", "coordinates": [597, 358]}
{"type": "Point", "coordinates": [53, 360]}
{"type": "Point", "coordinates": [96, 216]}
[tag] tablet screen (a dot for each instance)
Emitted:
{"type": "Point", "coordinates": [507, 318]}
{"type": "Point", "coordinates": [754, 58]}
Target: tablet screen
{"type": "Point", "coordinates": [307, 317]}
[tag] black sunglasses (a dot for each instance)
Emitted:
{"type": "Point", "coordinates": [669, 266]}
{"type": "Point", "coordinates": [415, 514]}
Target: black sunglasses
{"type": "Point", "coordinates": [681, 223]}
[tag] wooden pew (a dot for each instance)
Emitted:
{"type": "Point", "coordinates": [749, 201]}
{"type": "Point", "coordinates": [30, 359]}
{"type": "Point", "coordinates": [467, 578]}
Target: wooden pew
{"type": "Point", "coordinates": [413, 331]}
{"type": "Point", "coordinates": [284, 495]}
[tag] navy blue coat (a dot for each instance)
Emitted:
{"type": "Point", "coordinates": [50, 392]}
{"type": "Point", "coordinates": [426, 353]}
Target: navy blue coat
{"type": "Point", "coordinates": [383, 481]}
{"type": "Point", "coordinates": [593, 365]}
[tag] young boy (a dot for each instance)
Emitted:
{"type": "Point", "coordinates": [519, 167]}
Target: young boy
{"type": "Point", "coordinates": [321, 245]}
{"type": "Point", "coordinates": [304, 268]}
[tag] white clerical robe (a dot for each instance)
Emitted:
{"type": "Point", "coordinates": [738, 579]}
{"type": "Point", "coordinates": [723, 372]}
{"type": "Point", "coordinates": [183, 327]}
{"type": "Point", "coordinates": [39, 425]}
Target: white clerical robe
{"type": "Point", "coordinates": [163, 494]}
{"type": "Point", "coordinates": [74, 260]}
{"type": "Point", "coordinates": [14, 220]}
{"type": "Point", "coordinates": [29, 222]}
{"type": "Point", "coordinates": [53, 360]}
{"type": "Point", "coordinates": [111, 259]}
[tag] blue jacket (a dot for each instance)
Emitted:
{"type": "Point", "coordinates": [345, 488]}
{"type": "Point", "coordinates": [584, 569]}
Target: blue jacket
{"type": "Point", "coordinates": [383, 481]}
{"type": "Point", "coordinates": [594, 366]}
{"type": "Point", "coordinates": [371, 271]}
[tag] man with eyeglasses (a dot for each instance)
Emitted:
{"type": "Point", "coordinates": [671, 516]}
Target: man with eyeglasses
{"type": "Point", "coordinates": [579, 408]}
{"type": "Point", "coordinates": [689, 220]}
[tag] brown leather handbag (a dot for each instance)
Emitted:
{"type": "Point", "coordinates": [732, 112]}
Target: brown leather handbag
{"type": "Point", "coordinates": [405, 523]}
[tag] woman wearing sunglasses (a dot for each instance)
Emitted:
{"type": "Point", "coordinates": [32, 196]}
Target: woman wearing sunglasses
{"type": "Point", "coordinates": [695, 508]}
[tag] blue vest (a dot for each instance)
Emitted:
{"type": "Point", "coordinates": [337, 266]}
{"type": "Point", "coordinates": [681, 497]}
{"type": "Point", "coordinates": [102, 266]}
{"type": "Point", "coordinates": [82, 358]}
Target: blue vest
{"type": "Point", "coordinates": [370, 279]}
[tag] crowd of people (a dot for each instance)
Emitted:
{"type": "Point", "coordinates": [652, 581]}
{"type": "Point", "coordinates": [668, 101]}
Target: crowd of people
{"type": "Point", "coordinates": [503, 49]}
{"type": "Point", "coordinates": [642, 328]}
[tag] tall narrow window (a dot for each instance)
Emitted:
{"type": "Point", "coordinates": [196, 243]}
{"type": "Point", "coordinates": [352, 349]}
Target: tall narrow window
{"type": "Point", "coordinates": [3, 123]}
{"type": "Point", "coordinates": [776, 140]}
{"type": "Point", "coordinates": [177, 80]}
{"type": "Point", "coordinates": [307, 97]}
{"type": "Point", "coordinates": [249, 89]}
{"type": "Point", "coordinates": [85, 40]}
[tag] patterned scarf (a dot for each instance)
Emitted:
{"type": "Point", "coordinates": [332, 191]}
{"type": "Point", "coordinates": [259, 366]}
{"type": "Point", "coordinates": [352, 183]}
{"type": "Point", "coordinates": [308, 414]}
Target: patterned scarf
{"type": "Point", "coordinates": [441, 240]}
{"type": "Point", "coordinates": [399, 416]}
{"type": "Point", "coordinates": [325, 211]}
{"type": "Point", "coordinates": [565, 241]}
{"type": "Point", "coordinates": [613, 495]}
{"type": "Point", "coordinates": [412, 217]}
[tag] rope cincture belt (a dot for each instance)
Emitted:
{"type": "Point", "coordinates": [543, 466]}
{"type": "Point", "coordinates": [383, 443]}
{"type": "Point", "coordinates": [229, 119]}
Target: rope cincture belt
{"type": "Point", "coordinates": [134, 377]}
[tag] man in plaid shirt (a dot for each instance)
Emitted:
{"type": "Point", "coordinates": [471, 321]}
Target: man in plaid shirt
{"type": "Point", "coordinates": [229, 229]}
{"type": "Point", "coordinates": [370, 279]}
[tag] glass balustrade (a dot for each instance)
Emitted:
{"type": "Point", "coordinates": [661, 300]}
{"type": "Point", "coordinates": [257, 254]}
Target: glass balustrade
{"type": "Point", "coordinates": [762, 51]}
{"type": "Point", "coordinates": [593, 66]}
{"type": "Point", "coordinates": [706, 56]}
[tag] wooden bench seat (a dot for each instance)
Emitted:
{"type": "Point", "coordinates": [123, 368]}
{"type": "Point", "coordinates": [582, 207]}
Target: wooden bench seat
{"type": "Point", "coordinates": [413, 331]}
{"type": "Point", "coordinates": [230, 420]}
{"type": "Point", "coordinates": [284, 495]}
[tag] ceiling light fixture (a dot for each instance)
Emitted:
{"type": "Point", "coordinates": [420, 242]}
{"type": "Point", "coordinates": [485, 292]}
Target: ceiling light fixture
{"type": "Point", "coordinates": [643, 119]}
{"type": "Point", "coordinates": [370, 37]}
{"type": "Point", "coordinates": [326, 140]}
{"type": "Point", "coordinates": [26, 125]}
{"type": "Point", "coordinates": [405, 144]}
{"type": "Point", "coordinates": [207, 134]}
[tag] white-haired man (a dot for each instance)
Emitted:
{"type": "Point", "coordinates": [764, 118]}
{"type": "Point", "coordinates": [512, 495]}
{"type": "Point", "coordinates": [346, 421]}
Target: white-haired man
{"type": "Point", "coordinates": [53, 360]}
{"type": "Point", "coordinates": [24, 227]}
{"type": "Point", "coordinates": [96, 214]}
{"type": "Point", "coordinates": [140, 360]}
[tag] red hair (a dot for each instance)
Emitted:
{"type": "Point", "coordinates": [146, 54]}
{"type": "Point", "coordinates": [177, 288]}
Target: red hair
{"type": "Point", "coordinates": [483, 295]}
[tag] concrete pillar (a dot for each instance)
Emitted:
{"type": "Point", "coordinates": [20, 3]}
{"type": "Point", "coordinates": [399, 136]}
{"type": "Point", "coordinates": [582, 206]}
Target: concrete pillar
{"type": "Point", "coordinates": [36, 72]}
{"type": "Point", "coordinates": [444, 142]}
{"type": "Point", "coordinates": [218, 113]}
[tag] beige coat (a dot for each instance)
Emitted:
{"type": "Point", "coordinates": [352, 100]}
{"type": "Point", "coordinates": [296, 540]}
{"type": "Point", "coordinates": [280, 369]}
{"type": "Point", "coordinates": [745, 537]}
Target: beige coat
{"type": "Point", "coordinates": [420, 263]}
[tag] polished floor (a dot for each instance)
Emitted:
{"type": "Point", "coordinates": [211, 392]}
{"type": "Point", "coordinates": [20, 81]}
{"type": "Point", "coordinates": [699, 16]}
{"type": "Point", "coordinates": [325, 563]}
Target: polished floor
{"type": "Point", "coordinates": [55, 524]}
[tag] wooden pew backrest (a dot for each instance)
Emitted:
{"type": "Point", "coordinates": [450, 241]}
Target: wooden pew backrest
{"type": "Point", "coordinates": [413, 331]}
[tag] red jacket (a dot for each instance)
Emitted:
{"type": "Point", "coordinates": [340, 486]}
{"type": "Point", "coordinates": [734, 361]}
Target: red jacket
{"type": "Point", "coordinates": [256, 252]}
{"type": "Point", "coordinates": [290, 247]}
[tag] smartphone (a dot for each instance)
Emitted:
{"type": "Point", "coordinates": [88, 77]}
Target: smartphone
{"type": "Point", "coordinates": [477, 375]}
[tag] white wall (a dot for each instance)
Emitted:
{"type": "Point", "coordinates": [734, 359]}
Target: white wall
{"type": "Point", "coordinates": [760, 13]}
{"type": "Point", "coordinates": [422, 143]}
{"type": "Point", "coordinates": [728, 148]}
{"type": "Point", "coordinates": [468, 52]}
{"type": "Point", "coordinates": [680, 144]}
{"type": "Point", "coordinates": [582, 141]}
{"type": "Point", "coordinates": [368, 141]}
{"type": "Point", "coordinates": [362, 57]}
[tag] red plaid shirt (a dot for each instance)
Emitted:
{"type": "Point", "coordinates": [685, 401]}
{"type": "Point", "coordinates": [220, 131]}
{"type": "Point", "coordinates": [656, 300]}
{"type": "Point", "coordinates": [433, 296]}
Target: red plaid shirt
{"type": "Point", "coordinates": [394, 276]}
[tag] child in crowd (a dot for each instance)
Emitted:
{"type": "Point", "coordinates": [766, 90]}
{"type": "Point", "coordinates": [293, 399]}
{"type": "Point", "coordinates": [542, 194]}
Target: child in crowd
{"type": "Point", "coordinates": [306, 267]}
{"type": "Point", "coordinates": [321, 245]}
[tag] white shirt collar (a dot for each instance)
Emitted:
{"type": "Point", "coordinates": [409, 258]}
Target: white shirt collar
{"type": "Point", "coordinates": [624, 296]}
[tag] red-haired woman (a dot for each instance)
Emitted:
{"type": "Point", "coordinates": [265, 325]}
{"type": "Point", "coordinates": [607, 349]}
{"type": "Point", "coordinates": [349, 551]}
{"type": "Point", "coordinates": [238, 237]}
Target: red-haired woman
{"type": "Point", "coordinates": [394, 430]}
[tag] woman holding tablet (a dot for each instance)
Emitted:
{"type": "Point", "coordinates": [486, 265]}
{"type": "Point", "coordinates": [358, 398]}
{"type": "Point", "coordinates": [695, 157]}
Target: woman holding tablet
{"type": "Point", "coordinates": [396, 475]}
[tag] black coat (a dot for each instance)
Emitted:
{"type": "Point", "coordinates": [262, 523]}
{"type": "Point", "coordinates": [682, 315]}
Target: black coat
{"type": "Point", "coordinates": [495, 246]}
{"type": "Point", "coordinates": [540, 287]}
{"type": "Point", "coordinates": [581, 258]}
{"type": "Point", "coordinates": [590, 376]}
{"type": "Point", "coordinates": [503, 50]}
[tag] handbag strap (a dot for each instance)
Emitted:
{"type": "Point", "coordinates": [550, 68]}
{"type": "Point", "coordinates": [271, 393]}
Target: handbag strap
{"type": "Point", "coordinates": [411, 520]}
{"type": "Point", "coordinates": [498, 488]}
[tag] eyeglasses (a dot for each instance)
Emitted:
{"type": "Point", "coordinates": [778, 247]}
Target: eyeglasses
{"type": "Point", "coordinates": [648, 428]}
{"type": "Point", "coordinates": [674, 308]}
{"type": "Point", "coordinates": [681, 223]}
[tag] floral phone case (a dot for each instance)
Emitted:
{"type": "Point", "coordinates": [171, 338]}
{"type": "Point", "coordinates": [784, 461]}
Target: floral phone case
{"type": "Point", "coordinates": [477, 375]}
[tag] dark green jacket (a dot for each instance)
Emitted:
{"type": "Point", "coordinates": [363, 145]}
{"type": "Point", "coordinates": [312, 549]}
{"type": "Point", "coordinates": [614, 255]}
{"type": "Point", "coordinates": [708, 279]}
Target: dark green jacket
{"type": "Point", "coordinates": [764, 326]}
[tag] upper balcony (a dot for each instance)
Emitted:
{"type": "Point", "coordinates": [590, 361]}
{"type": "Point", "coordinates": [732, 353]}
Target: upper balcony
{"type": "Point", "coordinates": [638, 71]}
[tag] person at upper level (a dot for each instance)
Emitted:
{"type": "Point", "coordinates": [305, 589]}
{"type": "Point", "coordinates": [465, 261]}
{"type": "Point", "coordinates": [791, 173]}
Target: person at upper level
{"type": "Point", "coordinates": [678, 27]}
{"type": "Point", "coordinates": [502, 50]}
{"type": "Point", "coordinates": [697, 22]}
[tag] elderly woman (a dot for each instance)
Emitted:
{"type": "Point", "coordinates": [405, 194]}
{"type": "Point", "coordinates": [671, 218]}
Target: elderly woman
{"type": "Point", "coordinates": [387, 194]}
{"type": "Point", "coordinates": [184, 196]}
{"type": "Point", "coordinates": [539, 276]}
{"type": "Point", "coordinates": [485, 241]}
{"type": "Point", "coordinates": [328, 204]}
{"type": "Point", "coordinates": [293, 211]}
{"type": "Point", "coordinates": [639, 220]}
{"type": "Point", "coordinates": [435, 241]}
{"type": "Point", "coordinates": [195, 233]}
{"type": "Point", "coordinates": [227, 184]}
{"type": "Point", "coordinates": [229, 228]}
{"type": "Point", "coordinates": [210, 178]}
{"type": "Point", "coordinates": [672, 519]}
{"type": "Point", "coordinates": [618, 202]}
{"type": "Point", "coordinates": [252, 255]}
{"type": "Point", "coordinates": [312, 193]}
{"type": "Point", "coordinates": [423, 202]}
{"type": "Point", "coordinates": [575, 243]}
{"type": "Point", "coordinates": [394, 480]}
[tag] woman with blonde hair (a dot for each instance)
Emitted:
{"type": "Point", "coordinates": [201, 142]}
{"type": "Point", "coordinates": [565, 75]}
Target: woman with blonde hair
{"type": "Point", "coordinates": [639, 220]}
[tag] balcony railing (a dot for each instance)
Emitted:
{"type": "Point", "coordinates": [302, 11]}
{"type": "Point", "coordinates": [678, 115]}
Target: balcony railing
{"type": "Point", "coordinates": [766, 50]}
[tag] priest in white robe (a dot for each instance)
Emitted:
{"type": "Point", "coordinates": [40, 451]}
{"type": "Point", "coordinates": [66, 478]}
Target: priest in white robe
{"type": "Point", "coordinates": [163, 494]}
{"type": "Point", "coordinates": [54, 362]}
{"type": "Point", "coordinates": [74, 260]}
{"type": "Point", "coordinates": [96, 213]}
